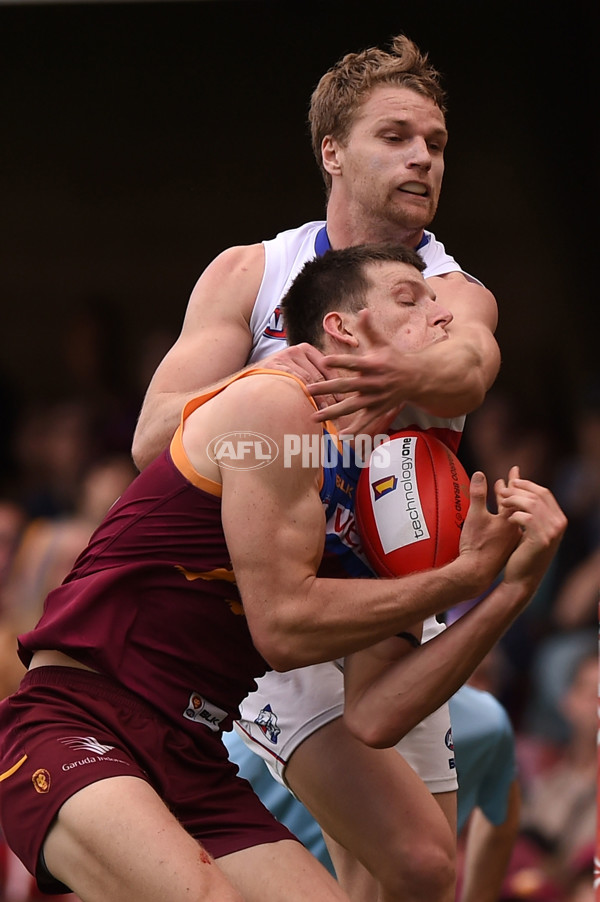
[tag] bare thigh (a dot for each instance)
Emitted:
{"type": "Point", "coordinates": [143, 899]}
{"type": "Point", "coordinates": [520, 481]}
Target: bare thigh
{"type": "Point", "coordinates": [358, 882]}
{"type": "Point", "coordinates": [281, 872]}
{"type": "Point", "coordinates": [372, 803]}
{"type": "Point", "coordinates": [117, 840]}
{"type": "Point", "coordinates": [447, 802]}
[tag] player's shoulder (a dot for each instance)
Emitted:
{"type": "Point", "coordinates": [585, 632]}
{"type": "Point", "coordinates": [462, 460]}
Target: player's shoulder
{"type": "Point", "coordinates": [246, 259]}
{"type": "Point", "coordinates": [240, 258]}
{"type": "Point", "coordinates": [253, 406]}
{"type": "Point", "coordinates": [272, 408]}
{"type": "Point", "coordinates": [244, 253]}
{"type": "Point", "coordinates": [298, 233]}
{"type": "Point", "coordinates": [229, 284]}
{"type": "Point", "coordinates": [255, 390]}
{"type": "Point", "coordinates": [273, 393]}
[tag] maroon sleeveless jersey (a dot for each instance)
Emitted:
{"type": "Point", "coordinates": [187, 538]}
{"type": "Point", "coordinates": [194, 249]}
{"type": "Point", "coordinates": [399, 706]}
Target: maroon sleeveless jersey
{"type": "Point", "coordinates": [152, 600]}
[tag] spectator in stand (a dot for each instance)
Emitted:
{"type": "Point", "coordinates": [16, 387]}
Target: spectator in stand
{"type": "Point", "coordinates": [571, 625]}
{"type": "Point", "coordinates": [558, 822]}
{"type": "Point", "coordinates": [49, 545]}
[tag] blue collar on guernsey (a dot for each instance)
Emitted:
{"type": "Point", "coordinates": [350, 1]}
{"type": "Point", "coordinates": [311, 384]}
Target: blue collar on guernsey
{"type": "Point", "coordinates": [323, 244]}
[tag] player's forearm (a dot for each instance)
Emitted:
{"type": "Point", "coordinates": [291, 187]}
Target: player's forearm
{"type": "Point", "coordinates": [450, 378]}
{"type": "Point", "coordinates": [415, 685]}
{"type": "Point", "coordinates": [155, 427]}
{"type": "Point", "coordinates": [331, 618]}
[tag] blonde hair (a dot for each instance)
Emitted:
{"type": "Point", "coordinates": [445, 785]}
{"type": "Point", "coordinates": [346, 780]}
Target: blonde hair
{"type": "Point", "coordinates": [345, 87]}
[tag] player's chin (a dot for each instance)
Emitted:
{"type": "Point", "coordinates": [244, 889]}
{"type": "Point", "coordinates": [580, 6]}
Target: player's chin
{"type": "Point", "coordinates": [413, 211]}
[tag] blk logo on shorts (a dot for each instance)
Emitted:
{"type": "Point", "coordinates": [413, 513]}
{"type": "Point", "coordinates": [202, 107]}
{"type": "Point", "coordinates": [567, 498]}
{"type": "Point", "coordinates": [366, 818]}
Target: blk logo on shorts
{"type": "Point", "coordinates": [202, 711]}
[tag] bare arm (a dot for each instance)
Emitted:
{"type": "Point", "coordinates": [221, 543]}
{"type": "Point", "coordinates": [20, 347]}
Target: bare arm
{"type": "Point", "coordinates": [447, 380]}
{"type": "Point", "coordinates": [214, 343]}
{"type": "Point", "coordinates": [397, 688]}
{"type": "Point", "coordinates": [488, 851]}
{"type": "Point", "coordinates": [274, 525]}
{"type": "Point", "coordinates": [474, 354]}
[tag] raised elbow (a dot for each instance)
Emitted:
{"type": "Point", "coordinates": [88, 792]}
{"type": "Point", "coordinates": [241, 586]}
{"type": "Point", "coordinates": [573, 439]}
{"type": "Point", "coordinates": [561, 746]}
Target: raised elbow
{"type": "Point", "coordinates": [475, 394]}
{"type": "Point", "coordinates": [281, 662]}
{"type": "Point", "coordinates": [472, 395]}
{"type": "Point", "coordinates": [279, 649]}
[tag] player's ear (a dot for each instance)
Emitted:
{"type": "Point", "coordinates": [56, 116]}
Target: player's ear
{"type": "Point", "coordinates": [339, 328]}
{"type": "Point", "coordinates": [330, 154]}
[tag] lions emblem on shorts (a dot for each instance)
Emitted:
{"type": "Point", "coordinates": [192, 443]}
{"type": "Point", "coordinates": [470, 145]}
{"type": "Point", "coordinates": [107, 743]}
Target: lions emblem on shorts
{"type": "Point", "coordinates": [41, 780]}
{"type": "Point", "coordinates": [267, 721]}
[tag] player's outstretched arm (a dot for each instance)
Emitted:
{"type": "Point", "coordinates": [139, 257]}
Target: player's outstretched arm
{"type": "Point", "coordinates": [410, 683]}
{"type": "Point", "coordinates": [448, 379]}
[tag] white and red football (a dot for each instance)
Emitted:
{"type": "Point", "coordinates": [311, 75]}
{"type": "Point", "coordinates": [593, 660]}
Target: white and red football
{"type": "Point", "coordinates": [411, 502]}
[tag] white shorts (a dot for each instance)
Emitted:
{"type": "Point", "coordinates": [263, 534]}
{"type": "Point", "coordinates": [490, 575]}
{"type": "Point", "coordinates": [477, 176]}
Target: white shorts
{"type": "Point", "coordinates": [288, 707]}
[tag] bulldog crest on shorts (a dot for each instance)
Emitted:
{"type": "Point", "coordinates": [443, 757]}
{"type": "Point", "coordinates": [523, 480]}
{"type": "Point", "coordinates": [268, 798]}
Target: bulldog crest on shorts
{"type": "Point", "coordinates": [267, 721]}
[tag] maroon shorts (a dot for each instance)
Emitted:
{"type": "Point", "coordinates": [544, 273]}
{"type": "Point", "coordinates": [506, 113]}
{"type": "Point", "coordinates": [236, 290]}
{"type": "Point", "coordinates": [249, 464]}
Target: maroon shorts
{"type": "Point", "coordinates": [66, 728]}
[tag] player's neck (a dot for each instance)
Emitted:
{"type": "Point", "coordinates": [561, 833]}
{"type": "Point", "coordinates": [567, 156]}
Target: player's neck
{"type": "Point", "coordinates": [345, 230]}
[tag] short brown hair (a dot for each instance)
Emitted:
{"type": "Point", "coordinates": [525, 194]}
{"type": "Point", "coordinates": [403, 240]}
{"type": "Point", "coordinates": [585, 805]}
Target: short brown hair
{"type": "Point", "coordinates": [344, 88]}
{"type": "Point", "coordinates": [338, 280]}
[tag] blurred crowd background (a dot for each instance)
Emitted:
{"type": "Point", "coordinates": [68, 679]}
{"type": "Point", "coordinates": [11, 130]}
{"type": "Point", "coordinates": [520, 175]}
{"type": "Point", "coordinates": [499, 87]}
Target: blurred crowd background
{"type": "Point", "coordinates": [140, 140]}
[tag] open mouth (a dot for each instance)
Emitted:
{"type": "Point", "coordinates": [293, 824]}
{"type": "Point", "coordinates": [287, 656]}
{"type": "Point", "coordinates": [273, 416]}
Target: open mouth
{"type": "Point", "coordinates": [414, 188]}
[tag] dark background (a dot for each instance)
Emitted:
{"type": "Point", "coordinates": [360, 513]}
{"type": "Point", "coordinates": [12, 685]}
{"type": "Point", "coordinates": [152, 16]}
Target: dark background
{"type": "Point", "coordinates": [139, 140]}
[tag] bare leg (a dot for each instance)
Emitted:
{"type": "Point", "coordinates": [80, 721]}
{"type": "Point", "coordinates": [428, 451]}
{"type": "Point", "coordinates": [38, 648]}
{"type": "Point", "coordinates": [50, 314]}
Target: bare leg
{"type": "Point", "coordinates": [447, 802]}
{"type": "Point", "coordinates": [117, 840]}
{"type": "Point", "coordinates": [360, 885]}
{"type": "Point", "coordinates": [374, 805]}
{"type": "Point", "coordinates": [281, 872]}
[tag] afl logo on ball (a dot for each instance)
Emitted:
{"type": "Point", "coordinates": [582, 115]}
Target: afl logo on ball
{"type": "Point", "coordinates": [41, 780]}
